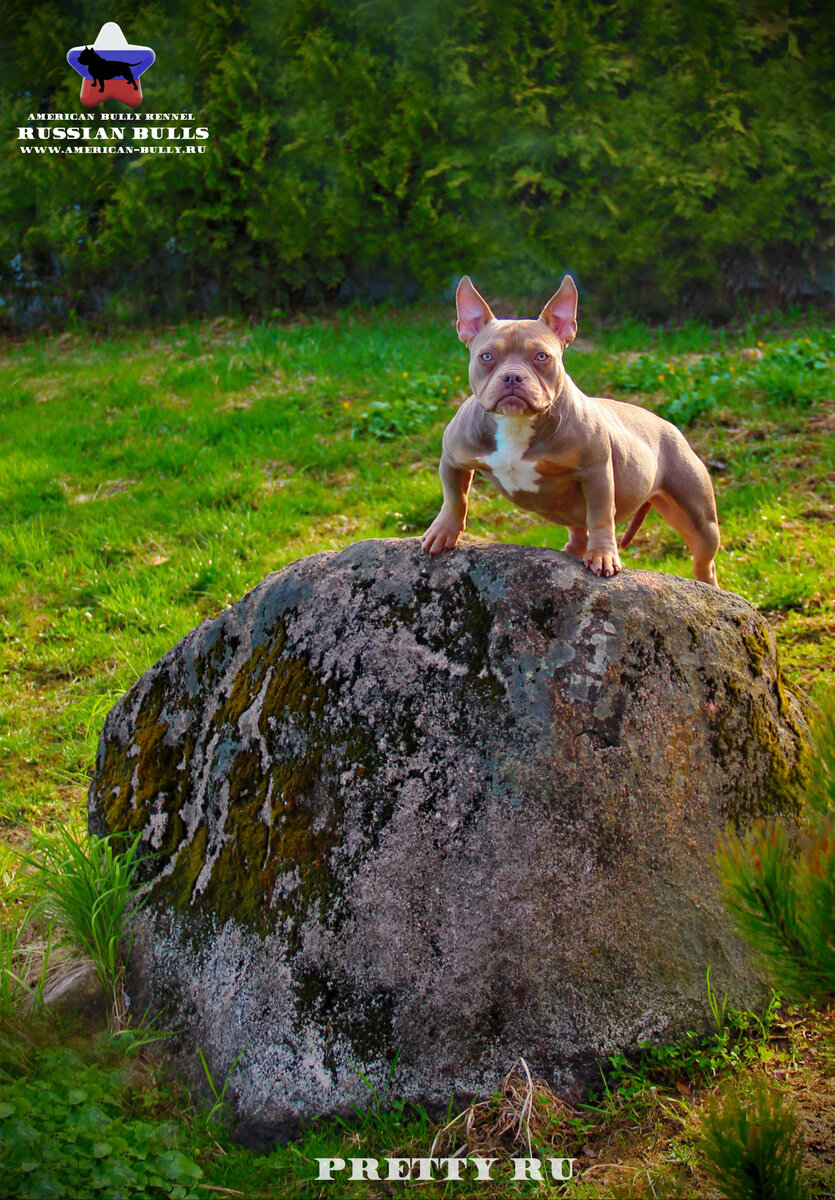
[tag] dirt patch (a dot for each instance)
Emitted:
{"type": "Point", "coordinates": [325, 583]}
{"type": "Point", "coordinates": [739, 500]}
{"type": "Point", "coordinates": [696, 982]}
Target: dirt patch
{"type": "Point", "coordinates": [104, 491]}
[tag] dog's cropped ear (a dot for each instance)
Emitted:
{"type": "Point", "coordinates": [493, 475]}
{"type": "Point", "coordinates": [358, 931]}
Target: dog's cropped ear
{"type": "Point", "coordinates": [560, 313]}
{"type": "Point", "coordinates": [473, 311]}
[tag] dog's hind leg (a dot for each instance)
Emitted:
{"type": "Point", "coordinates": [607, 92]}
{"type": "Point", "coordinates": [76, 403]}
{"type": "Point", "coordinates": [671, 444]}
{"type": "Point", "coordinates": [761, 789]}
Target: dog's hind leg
{"type": "Point", "coordinates": [701, 537]}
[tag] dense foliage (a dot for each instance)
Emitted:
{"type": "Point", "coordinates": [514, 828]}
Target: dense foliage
{"type": "Point", "coordinates": [64, 1132]}
{"type": "Point", "coordinates": [669, 154]}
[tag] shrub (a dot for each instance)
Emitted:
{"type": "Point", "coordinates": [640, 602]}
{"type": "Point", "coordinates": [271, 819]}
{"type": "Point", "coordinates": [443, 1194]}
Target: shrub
{"type": "Point", "coordinates": [750, 1139]}
{"type": "Point", "coordinates": [374, 148]}
{"type": "Point", "coordinates": [780, 890]}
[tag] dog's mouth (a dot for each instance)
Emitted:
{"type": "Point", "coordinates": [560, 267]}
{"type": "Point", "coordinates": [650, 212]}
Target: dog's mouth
{"type": "Point", "coordinates": [511, 403]}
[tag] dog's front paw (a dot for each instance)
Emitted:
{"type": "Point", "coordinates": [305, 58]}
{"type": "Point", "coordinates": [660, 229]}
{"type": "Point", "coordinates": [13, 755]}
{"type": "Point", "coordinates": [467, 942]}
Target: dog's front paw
{"type": "Point", "coordinates": [442, 534]}
{"type": "Point", "coordinates": [602, 563]}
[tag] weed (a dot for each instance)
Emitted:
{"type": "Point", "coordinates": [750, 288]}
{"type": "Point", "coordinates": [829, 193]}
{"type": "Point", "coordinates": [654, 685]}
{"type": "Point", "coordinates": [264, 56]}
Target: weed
{"type": "Point", "coordinates": [18, 954]}
{"type": "Point", "coordinates": [796, 375]}
{"type": "Point", "coordinates": [741, 1038]}
{"type": "Point", "coordinates": [414, 405]}
{"type": "Point", "coordinates": [686, 405]}
{"type": "Point", "coordinates": [62, 1134]}
{"type": "Point", "coordinates": [219, 1110]}
{"type": "Point", "coordinates": [387, 1115]}
{"type": "Point", "coordinates": [795, 388]}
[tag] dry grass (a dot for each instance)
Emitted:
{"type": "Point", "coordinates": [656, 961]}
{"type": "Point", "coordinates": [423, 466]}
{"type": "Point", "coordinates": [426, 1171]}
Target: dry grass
{"type": "Point", "coordinates": [644, 1145]}
{"type": "Point", "coordinates": [522, 1112]}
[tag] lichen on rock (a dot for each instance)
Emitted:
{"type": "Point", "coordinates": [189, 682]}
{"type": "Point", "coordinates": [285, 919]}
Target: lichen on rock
{"type": "Point", "coordinates": [449, 811]}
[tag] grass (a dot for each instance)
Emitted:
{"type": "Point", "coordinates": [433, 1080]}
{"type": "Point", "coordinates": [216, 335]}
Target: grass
{"type": "Point", "coordinates": [640, 1135]}
{"type": "Point", "coordinates": [151, 478]}
{"type": "Point", "coordinates": [84, 885]}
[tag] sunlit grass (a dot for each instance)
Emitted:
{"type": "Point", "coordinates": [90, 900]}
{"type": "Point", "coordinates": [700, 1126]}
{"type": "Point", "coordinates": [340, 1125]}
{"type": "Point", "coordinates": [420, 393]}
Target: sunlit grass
{"type": "Point", "coordinates": [148, 480]}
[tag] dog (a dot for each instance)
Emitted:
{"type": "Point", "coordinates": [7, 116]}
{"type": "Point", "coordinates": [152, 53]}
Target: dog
{"type": "Point", "coordinates": [103, 68]}
{"type": "Point", "coordinates": [577, 461]}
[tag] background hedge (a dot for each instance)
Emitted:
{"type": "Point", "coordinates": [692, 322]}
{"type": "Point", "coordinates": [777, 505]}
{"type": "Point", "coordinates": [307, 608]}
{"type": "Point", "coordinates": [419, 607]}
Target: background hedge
{"type": "Point", "coordinates": [673, 154]}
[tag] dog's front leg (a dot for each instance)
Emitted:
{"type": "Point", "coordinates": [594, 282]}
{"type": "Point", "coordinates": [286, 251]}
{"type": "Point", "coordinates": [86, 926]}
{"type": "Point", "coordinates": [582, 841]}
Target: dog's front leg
{"type": "Point", "coordinates": [601, 555]}
{"type": "Point", "coordinates": [450, 522]}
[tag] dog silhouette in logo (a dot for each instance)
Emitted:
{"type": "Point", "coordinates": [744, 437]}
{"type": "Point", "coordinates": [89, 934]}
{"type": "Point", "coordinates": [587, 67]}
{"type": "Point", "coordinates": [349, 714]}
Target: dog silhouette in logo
{"type": "Point", "coordinates": [102, 68]}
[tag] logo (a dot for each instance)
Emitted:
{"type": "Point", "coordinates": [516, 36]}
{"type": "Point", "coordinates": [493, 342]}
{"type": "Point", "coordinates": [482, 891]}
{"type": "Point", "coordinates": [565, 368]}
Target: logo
{"type": "Point", "coordinates": [110, 68]}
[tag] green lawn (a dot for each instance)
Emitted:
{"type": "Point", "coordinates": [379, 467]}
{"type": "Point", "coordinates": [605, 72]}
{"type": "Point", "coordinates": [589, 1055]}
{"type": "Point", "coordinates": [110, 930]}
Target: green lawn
{"type": "Point", "coordinates": [151, 478]}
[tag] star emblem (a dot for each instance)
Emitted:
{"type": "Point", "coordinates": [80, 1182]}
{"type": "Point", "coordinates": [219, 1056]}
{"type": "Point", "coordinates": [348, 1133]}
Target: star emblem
{"type": "Point", "coordinates": [110, 68]}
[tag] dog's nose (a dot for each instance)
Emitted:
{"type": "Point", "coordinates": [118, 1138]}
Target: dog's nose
{"type": "Point", "coordinates": [511, 378]}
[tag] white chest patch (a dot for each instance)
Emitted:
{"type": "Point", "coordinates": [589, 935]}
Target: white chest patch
{"type": "Point", "coordinates": [513, 436]}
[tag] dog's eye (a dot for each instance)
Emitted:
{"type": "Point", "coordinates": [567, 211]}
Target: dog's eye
{"type": "Point", "coordinates": [486, 356]}
{"type": "Point", "coordinates": [542, 356]}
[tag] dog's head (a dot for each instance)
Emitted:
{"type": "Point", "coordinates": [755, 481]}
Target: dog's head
{"type": "Point", "coordinates": [87, 56]}
{"type": "Point", "coordinates": [516, 365]}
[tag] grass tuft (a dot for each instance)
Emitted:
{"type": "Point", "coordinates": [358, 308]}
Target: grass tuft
{"type": "Point", "coordinates": [85, 885]}
{"type": "Point", "coordinates": [521, 1113]}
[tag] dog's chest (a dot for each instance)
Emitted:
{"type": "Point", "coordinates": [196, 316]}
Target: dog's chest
{"type": "Point", "coordinates": [505, 464]}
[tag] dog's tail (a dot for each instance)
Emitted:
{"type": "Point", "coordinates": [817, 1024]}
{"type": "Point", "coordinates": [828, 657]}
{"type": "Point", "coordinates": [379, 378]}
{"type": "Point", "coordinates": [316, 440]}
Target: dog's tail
{"type": "Point", "coordinates": [634, 525]}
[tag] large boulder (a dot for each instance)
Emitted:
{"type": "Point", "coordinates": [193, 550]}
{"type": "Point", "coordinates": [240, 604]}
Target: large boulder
{"type": "Point", "coordinates": [442, 813]}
